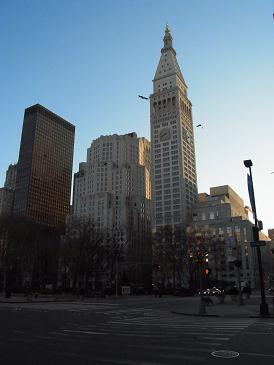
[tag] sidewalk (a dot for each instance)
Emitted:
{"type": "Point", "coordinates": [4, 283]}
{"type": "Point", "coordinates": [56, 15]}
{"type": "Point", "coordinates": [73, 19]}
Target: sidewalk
{"type": "Point", "coordinates": [21, 298]}
{"type": "Point", "coordinates": [187, 306]}
{"type": "Point", "coordinates": [229, 309]}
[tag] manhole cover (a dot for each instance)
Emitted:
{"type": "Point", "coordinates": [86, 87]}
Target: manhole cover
{"type": "Point", "coordinates": [225, 354]}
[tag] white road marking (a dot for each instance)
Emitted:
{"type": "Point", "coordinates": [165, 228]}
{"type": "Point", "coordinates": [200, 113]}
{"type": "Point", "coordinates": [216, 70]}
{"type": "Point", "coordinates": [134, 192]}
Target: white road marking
{"type": "Point", "coordinates": [87, 332]}
{"type": "Point", "coordinates": [256, 354]}
{"type": "Point", "coordinates": [216, 338]}
{"type": "Point", "coordinates": [127, 362]}
{"type": "Point", "coordinates": [66, 354]}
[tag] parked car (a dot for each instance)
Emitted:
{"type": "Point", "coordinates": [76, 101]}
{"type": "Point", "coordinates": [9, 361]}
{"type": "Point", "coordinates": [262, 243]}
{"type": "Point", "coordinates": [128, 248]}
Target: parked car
{"type": "Point", "coordinates": [212, 291]}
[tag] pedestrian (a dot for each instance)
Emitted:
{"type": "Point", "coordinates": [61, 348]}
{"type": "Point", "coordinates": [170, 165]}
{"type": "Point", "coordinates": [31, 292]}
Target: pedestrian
{"type": "Point", "coordinates": [247, 291]}
{"type": "Point", "coordinates": [156, 290]}
{"type": "Point", "coordinates": [160, 291]}
{"type": "Point", "coordinates": [7, 292]}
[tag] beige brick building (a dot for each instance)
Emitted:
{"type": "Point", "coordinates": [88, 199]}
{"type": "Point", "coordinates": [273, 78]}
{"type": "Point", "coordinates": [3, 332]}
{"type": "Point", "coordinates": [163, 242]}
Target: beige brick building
{"type": "Point", "coordinates": [113, 189]}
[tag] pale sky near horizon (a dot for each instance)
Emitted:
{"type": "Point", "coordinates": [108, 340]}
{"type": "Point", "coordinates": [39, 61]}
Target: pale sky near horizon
{"type": "Point", "coordinates": [88, 60]}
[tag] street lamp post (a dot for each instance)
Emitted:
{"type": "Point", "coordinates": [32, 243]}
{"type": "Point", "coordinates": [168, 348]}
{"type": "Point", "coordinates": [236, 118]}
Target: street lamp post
{"type": "Point", "coordinates": [116, 276]}
{"type": "Point", "coordinates": [202, 309]}
{"type": "Point", "coordinates": [264, 306]}
{"type": "Point", "coordinates": [238, 265]}
{"type": "Point", "coordinates": [199, 258]}
{"type": "Point", "coordinates": [118, 248]}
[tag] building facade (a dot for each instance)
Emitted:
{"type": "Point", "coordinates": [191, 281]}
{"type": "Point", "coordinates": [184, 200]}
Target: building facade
{"type": "Point", "coordinates": [6, 201]}
{"type": "Point", "coordinates": [271, 234]}
{"type": "Point", "coordinates": [44, 170]}
{"type": "Point", "coordinates": [222, 219]}
{"type": "Point", "coordinates": [11, 177]}
{"type": "Point", "coordinates": [7, 192]}
{"type": "Point", "coordinates": [174, 181]}
{"type": "Point", "coordinates": [112, 188]}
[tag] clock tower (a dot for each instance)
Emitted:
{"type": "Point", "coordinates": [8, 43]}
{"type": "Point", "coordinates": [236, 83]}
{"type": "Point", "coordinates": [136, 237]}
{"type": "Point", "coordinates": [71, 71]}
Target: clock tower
{"type": "Point", "coordinates": [174, 180]}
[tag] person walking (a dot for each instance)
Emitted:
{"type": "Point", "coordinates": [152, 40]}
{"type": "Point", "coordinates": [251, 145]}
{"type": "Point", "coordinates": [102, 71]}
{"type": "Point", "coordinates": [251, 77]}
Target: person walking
{"type": "Point", "coordinates": [156, 290]}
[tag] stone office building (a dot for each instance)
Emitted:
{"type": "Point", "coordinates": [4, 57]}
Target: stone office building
{"type": "Point", "coordinates": [112, 188]}
{"type": "Point", "coordinates": [222, 219]}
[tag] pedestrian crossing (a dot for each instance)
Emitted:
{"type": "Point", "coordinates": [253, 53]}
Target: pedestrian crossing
{"type": "Point", "coordinates": [132, 336]}
{"type": "Point", "coordinates": [158, 324]}
{"type": "Point", "coordinates": [158, 337]}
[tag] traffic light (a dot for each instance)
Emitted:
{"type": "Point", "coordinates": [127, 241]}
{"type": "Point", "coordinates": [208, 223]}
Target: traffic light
{"type": "Point", "coordinates": [207, 271]}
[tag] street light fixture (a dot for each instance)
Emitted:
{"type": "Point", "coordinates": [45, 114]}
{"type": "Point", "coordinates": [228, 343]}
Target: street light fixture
{"type": "Point", "coordinates": [264, 306]}
{"type": "Point", "coordinates": [248, 163]}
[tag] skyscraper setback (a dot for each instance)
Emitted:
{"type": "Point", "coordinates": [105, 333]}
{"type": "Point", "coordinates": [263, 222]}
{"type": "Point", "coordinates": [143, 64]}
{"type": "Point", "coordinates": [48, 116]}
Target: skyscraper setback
{"type": "Point", "coordinates": [44, 171]}
{"type": "Point", "coordinates": [174, 181]}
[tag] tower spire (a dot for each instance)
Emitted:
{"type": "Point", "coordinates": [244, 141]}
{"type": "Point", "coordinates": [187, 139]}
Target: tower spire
{"type": "Point", "coordinates": [168, 39]}
{"type": "Point", "coordinates": [168, 64]}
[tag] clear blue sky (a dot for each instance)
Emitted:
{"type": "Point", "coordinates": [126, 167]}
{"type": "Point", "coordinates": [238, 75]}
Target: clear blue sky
{"type": "Point", "coordinates": [88, 60]}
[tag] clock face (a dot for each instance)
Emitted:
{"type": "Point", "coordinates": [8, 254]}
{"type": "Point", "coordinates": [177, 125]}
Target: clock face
{"type": "Point", "coordinates": [164, 134]}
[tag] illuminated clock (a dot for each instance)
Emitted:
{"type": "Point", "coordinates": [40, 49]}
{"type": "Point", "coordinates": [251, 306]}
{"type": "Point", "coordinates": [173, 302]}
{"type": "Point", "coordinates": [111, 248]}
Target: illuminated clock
{"type": "Point", "coordinates": [164, 134]}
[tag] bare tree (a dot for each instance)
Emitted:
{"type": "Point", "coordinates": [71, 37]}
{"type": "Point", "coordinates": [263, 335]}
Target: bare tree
{"type": "Point", "coordinates": [26, 245]}
{"type": "Point", "coordinates": [83, 252]}
{"type": "Point", "coordinates": [170, 251]}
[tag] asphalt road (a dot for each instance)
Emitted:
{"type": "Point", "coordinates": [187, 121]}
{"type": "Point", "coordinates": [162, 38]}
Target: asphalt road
{"type": "Point", "coordinates": [133, 331]}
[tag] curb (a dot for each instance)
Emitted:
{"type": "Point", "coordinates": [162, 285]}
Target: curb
{"type": "Point", "coordinates": [195, 314]}
{"type": "Point", "coordinates": [271, 316]}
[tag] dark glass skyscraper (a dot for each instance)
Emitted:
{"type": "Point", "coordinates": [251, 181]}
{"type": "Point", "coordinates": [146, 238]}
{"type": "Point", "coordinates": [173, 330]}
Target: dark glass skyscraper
{"type": "Point", "coordinates": [44, 170]}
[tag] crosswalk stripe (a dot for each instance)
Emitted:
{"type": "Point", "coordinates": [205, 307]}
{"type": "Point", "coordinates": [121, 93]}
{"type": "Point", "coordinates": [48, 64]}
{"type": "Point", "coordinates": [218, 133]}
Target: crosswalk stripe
{"type": "Point", "coordinates": [172, 348]}
{"type": "Point", "coordinates": [173, 326]}
{"type": "Point", "coordinates": [216, 338]}
{"type": "Point", "coordinates": [126, 362]}
{"type": "Point", "coordinates": [117, 331]}
{"type": "Point", "coordinates": [171, 357]}
{"type": "Point", "coordinates": [87, 332]}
